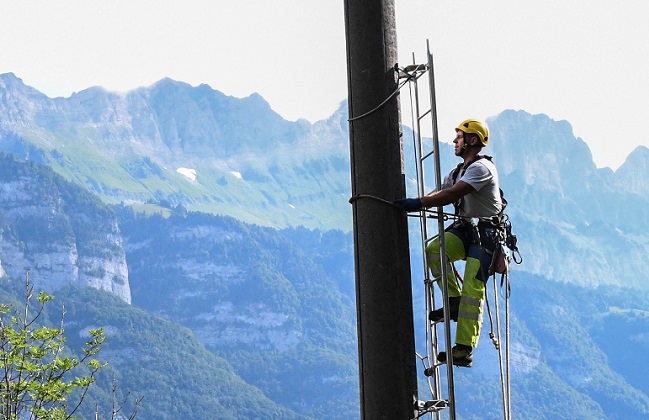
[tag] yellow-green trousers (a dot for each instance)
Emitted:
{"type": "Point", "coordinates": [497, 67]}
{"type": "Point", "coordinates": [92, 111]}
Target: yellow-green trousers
{"type": "Point", "coordinates": [472, 292]}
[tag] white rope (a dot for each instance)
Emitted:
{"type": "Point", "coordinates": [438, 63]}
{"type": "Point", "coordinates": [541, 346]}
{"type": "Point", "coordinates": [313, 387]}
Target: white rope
{"type": "Point", "coordinates": [498, 345]}
{"type": "Point", "coordinates": [509, 399]}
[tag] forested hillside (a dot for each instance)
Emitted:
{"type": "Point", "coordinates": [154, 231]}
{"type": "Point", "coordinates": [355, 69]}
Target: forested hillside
{"type": "Point", "coordinates": [277, 305]}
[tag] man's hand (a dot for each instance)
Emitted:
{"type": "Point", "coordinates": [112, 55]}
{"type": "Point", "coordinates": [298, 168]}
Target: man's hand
{"type": "Point", "coordinates": [409, 204]}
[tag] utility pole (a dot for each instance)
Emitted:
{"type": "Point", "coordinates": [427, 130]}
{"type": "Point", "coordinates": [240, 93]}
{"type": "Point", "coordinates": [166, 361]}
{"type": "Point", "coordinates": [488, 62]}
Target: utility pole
{"type": "Point", "coordinates": [386, 345]}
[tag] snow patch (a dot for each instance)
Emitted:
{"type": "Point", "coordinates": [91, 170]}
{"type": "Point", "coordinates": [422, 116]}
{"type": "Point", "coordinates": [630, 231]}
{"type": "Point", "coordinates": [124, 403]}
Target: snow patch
{"type": "Point", "coordinates": [189, 173]}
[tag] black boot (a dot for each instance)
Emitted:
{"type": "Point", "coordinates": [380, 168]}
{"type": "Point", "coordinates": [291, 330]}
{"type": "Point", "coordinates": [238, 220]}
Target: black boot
{"type": "Point", "coordinates": [462, 355]}
{"type": "Point", "coordinates": [438, 314]}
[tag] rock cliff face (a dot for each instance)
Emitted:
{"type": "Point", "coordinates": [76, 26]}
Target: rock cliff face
{"type": "Point", "coordinates": [232, 285]}
{"type": "Point", "coordinates": [576, 223]}
{"type": "Point", "coordinates": [59, 232]}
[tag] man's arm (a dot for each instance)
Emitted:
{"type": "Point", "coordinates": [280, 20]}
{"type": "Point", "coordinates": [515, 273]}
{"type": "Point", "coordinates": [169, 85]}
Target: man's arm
{"type": "Point", "coordinates": [447, 196]}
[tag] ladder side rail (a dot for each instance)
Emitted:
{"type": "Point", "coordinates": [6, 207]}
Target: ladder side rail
{"type": "Point", "coordinates": [431, 332]}
{"type": "Point", "coordinates": [431, 368]}
{"type": "Point", "coordinates": [420, 169]}
{"type": "Point", "coordinates": [442, 242]}
{"type": "Point", "coordinates": [420, 191]}
{"type": "Point", "coordinates": [432, 338]}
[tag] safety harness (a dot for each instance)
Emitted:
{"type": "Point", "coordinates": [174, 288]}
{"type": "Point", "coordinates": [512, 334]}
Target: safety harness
{"type": "Point", "coordinates": [495, 235]}
{"type": "Point", "coordinates": [456, 172]}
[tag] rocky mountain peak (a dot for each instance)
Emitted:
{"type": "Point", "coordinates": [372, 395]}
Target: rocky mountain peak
{"type": "Point", "coordinates": [542, 148]}
{"type": "Point", "coordinates": [9, 82]}
{"type": "Point", "coordinates": [633, 174]}
{"type": "Point", "coordinates": [19, 103]}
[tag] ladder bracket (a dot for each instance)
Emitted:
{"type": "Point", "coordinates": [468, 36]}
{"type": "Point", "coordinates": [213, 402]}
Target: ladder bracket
{"type": "Point", "coordinates": [432, 406]}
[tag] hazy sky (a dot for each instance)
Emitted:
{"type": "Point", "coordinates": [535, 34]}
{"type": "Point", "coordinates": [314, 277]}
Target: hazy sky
{"type": "Point", "coordinates": [582, 61]}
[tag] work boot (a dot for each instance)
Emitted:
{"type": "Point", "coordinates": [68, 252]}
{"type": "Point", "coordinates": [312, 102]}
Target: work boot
{"type": "Point", "coordinates": [438, 314]}
{"type": "Point", "coordinates": [462, 355]}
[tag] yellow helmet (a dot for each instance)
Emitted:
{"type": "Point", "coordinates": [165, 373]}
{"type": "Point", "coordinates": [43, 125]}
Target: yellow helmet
{"type": "Point", "coordinates": [475, 127]}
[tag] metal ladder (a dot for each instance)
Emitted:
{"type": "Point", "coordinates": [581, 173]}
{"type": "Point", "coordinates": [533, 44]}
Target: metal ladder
{"type": "Point", "coordinates": [431, 366]}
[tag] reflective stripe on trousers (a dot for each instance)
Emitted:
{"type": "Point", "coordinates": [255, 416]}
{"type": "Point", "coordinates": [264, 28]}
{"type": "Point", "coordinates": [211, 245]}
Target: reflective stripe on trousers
{"type": "Point", "coordinates": [472, 292]}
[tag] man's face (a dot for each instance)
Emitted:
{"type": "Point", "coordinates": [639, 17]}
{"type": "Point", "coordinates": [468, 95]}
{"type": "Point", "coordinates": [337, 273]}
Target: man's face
{"type": "Point", "coordinates": [459, 142]}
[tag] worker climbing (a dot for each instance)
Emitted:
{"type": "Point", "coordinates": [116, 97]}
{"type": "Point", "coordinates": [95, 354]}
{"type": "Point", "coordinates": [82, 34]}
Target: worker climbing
{"type": "Point", "coordinates": [474, 189]}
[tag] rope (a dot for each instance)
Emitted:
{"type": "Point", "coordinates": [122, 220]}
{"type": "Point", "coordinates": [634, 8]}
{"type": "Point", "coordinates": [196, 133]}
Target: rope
{"type": "Point", "coordinates": [353, 198]}
{"type": "Point", "coordinates": [492, 336]}
{"type": "Point", "coordinates": [433, 214]}
{"type": "Point", "coordinates": [500, 356]}
{"type": "Point", "coordinates": [507, 358]}
{"type": "Point", "coordinates": [382, 103]}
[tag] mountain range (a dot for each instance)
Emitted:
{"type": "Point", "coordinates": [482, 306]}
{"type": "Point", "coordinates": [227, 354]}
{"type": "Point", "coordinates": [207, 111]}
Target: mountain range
{"type": "Point", "coordinates": [175, 144]}
{"type": "Point", "coordinates": [184, 145]}
{"type": "Point", "coordinates": [219, 234]}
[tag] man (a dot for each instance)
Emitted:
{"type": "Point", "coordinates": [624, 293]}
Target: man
{"type": "Point", "coordinates": [474, 189]}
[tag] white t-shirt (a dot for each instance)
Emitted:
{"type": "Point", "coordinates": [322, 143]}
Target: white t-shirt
{"type": "Point", "coordinates": [485, 201]}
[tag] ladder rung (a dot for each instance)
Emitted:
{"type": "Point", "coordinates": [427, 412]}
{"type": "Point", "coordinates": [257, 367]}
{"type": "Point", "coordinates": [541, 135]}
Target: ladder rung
{"type": "Point", "coordinates": [427, 155]}
{"type": "Point", "coordinates": [421, 117]}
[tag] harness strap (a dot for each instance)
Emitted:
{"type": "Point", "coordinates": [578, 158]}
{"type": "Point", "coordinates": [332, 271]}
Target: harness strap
{"type": "Point", "coordinates": [456, 172]}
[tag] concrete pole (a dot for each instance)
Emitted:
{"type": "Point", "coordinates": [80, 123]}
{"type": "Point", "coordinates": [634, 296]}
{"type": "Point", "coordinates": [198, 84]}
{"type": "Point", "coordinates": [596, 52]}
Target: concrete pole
{"type": "Point", "coordinates": [386, 345]}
